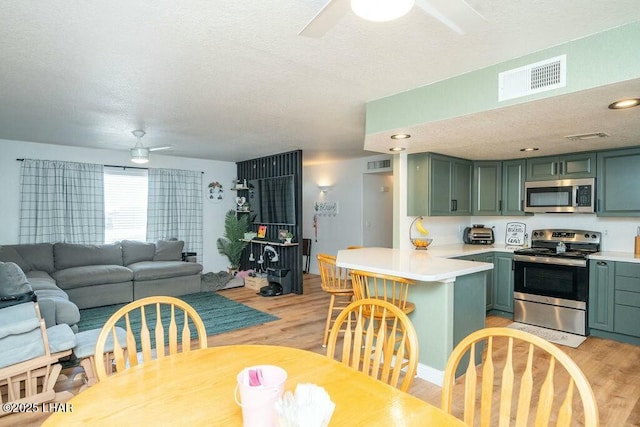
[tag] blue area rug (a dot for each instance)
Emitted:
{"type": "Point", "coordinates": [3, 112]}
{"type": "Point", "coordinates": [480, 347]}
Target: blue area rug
{"type": "Point", "coordinates": [219, 314]}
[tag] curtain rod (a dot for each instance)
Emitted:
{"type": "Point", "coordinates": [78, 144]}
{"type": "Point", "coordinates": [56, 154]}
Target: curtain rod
{"type": "Point", "coordinates": [114, 166]}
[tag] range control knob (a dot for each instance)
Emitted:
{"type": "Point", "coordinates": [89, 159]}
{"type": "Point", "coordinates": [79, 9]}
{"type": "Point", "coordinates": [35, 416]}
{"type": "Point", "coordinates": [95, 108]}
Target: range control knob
{"type": "Point", "coordinates": [586, 235]}
{"type": "Point", "coordinates": [593, 236]}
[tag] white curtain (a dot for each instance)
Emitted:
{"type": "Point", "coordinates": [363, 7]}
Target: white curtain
{"type": "Point", "coordinates": [61, 202]}
{"type": "Point", "coordinates": [175, 207]}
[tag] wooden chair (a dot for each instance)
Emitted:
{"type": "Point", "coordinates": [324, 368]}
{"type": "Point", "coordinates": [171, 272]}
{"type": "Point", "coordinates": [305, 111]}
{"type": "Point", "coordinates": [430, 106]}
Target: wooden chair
{"type": "Point", "coordinates": [166, 316]}
{"type": "Point", "coordinates": [531, 381]}
{"type": "Point", "coordinates": [378, 346]}
{"type": "Point", "coordinates": [383, 286]}
{"type": "Point", "coordinates": [335, 281]}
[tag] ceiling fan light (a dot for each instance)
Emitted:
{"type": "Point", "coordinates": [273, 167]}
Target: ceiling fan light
{"type": "Point", "coordinates": [381, 10]}
{"type": "Point", "coordinates": [139, 155]}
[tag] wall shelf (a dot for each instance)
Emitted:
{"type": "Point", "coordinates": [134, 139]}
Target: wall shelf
{"type": "Point", "coordinates": [267, 242]}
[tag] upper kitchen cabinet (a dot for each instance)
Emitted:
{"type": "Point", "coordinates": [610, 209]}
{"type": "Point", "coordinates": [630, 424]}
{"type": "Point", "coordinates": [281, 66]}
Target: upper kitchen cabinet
{"type": "Point", "coordinates": [617, 183]}
{"type": "Point", "coordinates": [487, 188]}
{"type": "Point", "coordinates": [498, 187]}
{"type": "Point", "coordinates": [580, 165]}
{"type": "Point", "coordinates": [438, 185]}
{"type": "Point", "coordinates": [513, 175]}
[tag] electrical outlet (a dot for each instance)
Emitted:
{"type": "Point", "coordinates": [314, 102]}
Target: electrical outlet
{"type": "Point", "coordinates": [606, 232]}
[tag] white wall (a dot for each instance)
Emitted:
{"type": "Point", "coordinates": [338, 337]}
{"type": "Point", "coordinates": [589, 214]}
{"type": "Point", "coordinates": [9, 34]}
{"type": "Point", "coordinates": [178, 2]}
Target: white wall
{"type": "Point", "coordinates": [377, 210]}
{"type": "Point", "coordinates": [345, 229]}
{"type": "Point", "coordinates": [213, 213]}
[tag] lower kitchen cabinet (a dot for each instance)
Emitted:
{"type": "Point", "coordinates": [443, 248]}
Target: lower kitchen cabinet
{"type": "Point", "coordinates": [601, 292]}
{"type": "Point", "coordinates": [626, 314]}
{"type": "Point", "coordinates": [503, 282]}
{"type": "Point", "coordinates": [614, 300]}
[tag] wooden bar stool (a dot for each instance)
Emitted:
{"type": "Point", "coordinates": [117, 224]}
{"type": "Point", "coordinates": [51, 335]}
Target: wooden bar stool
{"type": "Point", "coordinates": [336, 282]}
{"type": "Point", "coordinates": [389, 288]}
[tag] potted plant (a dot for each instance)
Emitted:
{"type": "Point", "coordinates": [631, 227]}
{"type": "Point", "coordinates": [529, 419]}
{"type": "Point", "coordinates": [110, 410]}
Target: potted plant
{"type": "Point", "coordinates": [288, 236]}
{"type": "Point", "coordinates": [231, 244]}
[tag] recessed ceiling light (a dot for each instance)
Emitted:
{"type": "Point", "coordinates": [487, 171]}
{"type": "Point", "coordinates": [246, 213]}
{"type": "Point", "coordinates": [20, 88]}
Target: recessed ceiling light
{"type": "Point", "coordinates": [397, 149]}
{"type": "Point", "coordinates": [624, 103]}
{"type": "Point", "coordinates": [401, 136]}
{"type": "Point", "coordinates": [530, 149]}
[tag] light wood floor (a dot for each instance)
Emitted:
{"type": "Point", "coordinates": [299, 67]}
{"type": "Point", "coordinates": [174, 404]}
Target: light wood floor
{"type": "Point", "coordinates": [613, 368]}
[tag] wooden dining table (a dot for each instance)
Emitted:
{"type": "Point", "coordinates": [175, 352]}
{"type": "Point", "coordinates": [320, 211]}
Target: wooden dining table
{"type": "Point", "coordinates": [197, 388]}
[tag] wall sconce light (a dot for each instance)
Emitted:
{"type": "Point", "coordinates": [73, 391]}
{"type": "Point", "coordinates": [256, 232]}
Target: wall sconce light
{"type": "Point", "coordinates": [325, 188]}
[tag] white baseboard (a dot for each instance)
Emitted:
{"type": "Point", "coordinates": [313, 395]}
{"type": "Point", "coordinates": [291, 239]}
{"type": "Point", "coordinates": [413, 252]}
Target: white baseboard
{"type": "Point", "coordinates": [430, 374]}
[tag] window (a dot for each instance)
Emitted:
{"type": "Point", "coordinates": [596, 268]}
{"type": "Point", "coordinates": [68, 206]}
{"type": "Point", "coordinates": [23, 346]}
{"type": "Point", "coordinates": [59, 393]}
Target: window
{"type": "Point", "coordinates": [125, 204]}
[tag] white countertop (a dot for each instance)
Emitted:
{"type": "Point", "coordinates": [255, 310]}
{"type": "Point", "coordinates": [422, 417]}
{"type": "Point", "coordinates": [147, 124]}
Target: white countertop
{"type": "Point", "coordinates": [427, 266]}
{"type": "Point", "coordinates": [616, 256]}
{"type": "Point", "coordinates": [460, 249]}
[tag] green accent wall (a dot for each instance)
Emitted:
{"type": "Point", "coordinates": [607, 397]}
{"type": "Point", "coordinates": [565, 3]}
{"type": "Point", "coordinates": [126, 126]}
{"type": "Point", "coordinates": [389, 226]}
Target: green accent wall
{"type": "Point", "coordinates": [597, 60]}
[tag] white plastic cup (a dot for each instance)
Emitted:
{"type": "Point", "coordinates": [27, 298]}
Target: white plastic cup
{"type": "Point", "coordinates": [258, 402]}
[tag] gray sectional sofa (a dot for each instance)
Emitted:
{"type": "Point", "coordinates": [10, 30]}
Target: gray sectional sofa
{"type": "Point", "coordinates": [68, 276]}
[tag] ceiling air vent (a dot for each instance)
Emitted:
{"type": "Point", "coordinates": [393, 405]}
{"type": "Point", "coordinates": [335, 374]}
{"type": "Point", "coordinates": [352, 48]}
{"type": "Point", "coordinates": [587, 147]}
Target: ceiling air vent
{"type": "Point", "coordinates": [533, 78]}
{"type": "Point", "coordinates": [377, 165]}
{"type": "Point", "coordinates": [584, 136]}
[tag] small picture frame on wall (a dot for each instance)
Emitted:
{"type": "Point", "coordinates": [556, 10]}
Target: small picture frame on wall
{"type": "Point", "coordinates": [262, 231]}
{"type": "Point", "coordinates": [282, 234]}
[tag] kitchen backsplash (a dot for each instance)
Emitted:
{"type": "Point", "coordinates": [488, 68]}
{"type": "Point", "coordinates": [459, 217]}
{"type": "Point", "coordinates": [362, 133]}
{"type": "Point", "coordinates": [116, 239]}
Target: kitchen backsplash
{"type": "Point", "coordinates": [618, 234]}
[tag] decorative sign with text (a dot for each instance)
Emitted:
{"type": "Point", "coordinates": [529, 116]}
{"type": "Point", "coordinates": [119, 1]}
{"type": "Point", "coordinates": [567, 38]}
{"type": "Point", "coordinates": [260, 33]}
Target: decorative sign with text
{"type": "Point", "coordinates": [516, 232]}
{"type": "Point", "coordinates": [326, 208]}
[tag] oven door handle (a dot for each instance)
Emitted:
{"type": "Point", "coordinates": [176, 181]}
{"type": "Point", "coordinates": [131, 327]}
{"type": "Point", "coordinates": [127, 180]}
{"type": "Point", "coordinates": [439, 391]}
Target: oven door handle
{"type": "Point", "coordinates": [550, 260]}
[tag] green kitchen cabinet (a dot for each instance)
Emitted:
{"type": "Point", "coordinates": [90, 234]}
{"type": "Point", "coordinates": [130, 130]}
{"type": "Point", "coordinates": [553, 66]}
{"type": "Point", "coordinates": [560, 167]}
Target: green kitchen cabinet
{"type": "Point", "coordinates": [487, 188]}
{"type": "Point", "coordinates": [601, 294]}
{"type": "Point", "coordinates": [626, 314]}
{"type": "Point", "coordinates": [617, 191]}
{"type": "Point", "coordinates": [503, 282]}
{"type": "Point", "coordinates": [513, 176]}
{"type": "Point", "coordinates": [579, 165]}
{"type": "Point", "coordinates": [438, 185]}
{"type": "Point", "coordinates": [498, 188]}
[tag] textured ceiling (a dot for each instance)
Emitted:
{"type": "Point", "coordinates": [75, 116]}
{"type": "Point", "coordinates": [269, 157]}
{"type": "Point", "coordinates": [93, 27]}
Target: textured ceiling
{"type": "Point", "coordinates": [230, 80]}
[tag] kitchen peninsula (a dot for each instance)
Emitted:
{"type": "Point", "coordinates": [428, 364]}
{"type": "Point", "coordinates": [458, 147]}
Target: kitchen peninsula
{"type": "Point", "coordinates": [449, 298]}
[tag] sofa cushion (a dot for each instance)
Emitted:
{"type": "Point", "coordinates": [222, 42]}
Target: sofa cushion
{"type": "Point", "coordinates": [134, 251]}
{"type": "Point", "coordinates": [168, 250]}
{"type": "Point", "coordinates": [61, 338]}
{"type": "Point", "coordinates": [56, 308]}
{"type": "Point", "coordinates": [37, 256]}
{"type": "Point", "coordinates": [41, 280]}
{"type": "Point", "coordinates": [87, 275]}
{"type": "Point", "coordinates": [12, 280]}
{"type": "Point", "coordinates": [151, 270]}
{"type": "Point", "coordinates": [69, 255]}
{"type": "Point", "coordinates": [9, 254]}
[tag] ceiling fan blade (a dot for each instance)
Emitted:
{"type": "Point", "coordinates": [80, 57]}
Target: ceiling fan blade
{"type": "Point", "coordinates": [166, 147]}
{"type": "Point", "coordinates": [455, 14]}
{"type": "Point", "coordinates": [328, 16]}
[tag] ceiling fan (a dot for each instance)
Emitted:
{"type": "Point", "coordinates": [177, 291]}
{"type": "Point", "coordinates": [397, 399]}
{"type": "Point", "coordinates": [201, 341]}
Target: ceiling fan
{"type": "Point", "coordinates": [140, 153]}
{"type": "Point", "coordinates": [458, 15]}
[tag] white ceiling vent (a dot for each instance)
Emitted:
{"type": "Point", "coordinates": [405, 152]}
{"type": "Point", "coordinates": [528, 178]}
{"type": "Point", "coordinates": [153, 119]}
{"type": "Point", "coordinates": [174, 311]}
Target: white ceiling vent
{"type": "Point", "coordinates": [533, 78]}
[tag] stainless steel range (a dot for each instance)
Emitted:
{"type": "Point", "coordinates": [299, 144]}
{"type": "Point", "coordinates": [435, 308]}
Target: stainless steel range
{"type": "Point", "coordinates": [551, 279]}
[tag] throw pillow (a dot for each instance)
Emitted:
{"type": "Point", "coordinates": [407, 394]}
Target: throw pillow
{"type": "Point", "coordinates": [12, 280]}
{"type": "Point", "coordinates": [168, 250]}
{"type": "Point", "coordinates": [134, 251]}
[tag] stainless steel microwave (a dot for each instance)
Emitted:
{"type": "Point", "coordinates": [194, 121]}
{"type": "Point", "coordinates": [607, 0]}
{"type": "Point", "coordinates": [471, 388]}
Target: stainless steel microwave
{"type": "Point", "coordinates": [563, 195]}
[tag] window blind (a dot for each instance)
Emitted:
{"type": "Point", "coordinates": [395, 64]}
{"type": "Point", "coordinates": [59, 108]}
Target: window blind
{"type": "Point", "coordinates": [125, 204]}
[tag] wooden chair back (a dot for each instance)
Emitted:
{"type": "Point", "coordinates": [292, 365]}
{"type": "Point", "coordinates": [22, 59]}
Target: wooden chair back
{"type": "Point", "coordinates": [519, 365]}
{"type": "Point", "coordinates": [382, 286]}
{"type": "Point", "coordinates": [377, 346]}
{"type": "Point", "coordinates": [333, 278]}
{"type": "Point", "coordinates": [163, 317]}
